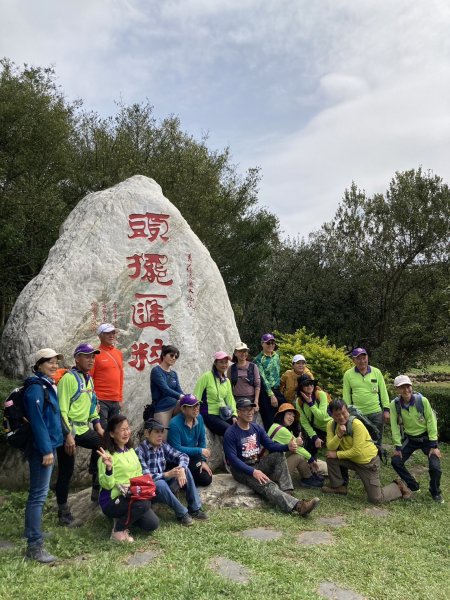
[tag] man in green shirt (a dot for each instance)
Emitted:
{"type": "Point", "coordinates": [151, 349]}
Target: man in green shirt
{"type": "Point", "coordinates": [412, 415]}
{"type": "Point", "coordinates": [364, 387]}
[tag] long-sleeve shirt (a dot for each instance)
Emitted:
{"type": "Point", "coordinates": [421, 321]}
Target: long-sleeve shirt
{"type": "Point", "coordinates": [414, 423]}
{"type": "Point", "coordinates": [284, 436]}
{"type": "Point", "coordinates": [125, 466]}
{"type": "Point", "coordinates": [314, 415]}
{"type": "Point", "coordinates": [165, 387]}
{"type": "Point", "coordinates": [242, 387]}
{"type": "Point", "coordinates": [289, 383]}
{"type": "Point", "coordinates": [357, 447]}
{"type": "Point", "coordinates": [107, 374]}
{"type": "Point", "coordinates": [190, 440]}
{"type": "Point", "coordinates": [367, 392]}
{"type": "Point", "coordinates": [214, 392]}
{"type": "Point", "coordinates": [244, 446]}
{"type": "Point", "coordinates": [154, 459]}
{"type": "Point", "coordinates": [269, 369]}
{"type": "Point", "coordinates": [44, 417]}
{"type": "Point", "coordinates": [80, 412]}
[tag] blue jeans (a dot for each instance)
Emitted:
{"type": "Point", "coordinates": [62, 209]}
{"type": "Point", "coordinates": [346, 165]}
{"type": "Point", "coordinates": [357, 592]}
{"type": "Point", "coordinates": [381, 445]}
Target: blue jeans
{"type": "Point", "coordinates": [165, 495]}
{"type": "Point", "coordinates": [39, 484]}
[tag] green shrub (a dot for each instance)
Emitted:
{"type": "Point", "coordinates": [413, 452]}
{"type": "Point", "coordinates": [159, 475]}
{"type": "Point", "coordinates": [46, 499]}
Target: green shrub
{"type": "Point", "coordinates": [439, 397]}
{"type": "Point", "coordinates": [327, 362]}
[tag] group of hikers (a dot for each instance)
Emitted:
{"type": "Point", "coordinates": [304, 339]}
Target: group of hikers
{"type": "Point", "coordinates": [298, 418]}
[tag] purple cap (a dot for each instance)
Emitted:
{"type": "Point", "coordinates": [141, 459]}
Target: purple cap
{"type": "Point", "coordinates": [85, 349]}
{"type": "Point", "coordinates": [189, 400]}
{"type": "Point", "coordinates": [358, 351]}
{"type": "Point", "coordinates": [267, 337]}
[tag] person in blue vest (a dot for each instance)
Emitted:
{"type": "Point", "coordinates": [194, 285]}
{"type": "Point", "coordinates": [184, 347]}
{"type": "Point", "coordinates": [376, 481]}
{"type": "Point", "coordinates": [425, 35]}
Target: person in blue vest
{"type": "Point", "coordinates": [244, 375]}
{"type": "Point", "coordinates": [414, 427]}
{"type": "Point", "coordinates": [42, 412]}
{"type": "Point", "coordinates": [187, 434]}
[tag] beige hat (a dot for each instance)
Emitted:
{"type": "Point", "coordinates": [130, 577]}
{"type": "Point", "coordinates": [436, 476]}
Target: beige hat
{"type": "Point", "coordinates": [47, 354]}
{"type": "Point", "coordinates": [241, 346]}
{"type": "Point", "coordinates": [402, 380]}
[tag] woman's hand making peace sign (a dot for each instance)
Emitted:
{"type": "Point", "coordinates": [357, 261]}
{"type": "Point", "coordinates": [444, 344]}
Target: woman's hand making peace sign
{"type": "Point", "coordinates": [106, 458]}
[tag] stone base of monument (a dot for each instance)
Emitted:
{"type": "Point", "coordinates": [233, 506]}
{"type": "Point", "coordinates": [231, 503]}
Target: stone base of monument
{"type": "Point", "coordinates": [224, 492]}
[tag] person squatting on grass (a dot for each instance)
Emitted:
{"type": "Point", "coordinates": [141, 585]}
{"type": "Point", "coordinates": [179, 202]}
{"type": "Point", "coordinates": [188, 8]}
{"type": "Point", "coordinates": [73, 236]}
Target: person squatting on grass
{"type": "Point", "coordinates": [353, 449]}
{"type": "Point", "coordinates": [118, 463]}
{"type": "Point", "coordinates": [284, 429]}
{"type": "Point", "coordinates": [78, 405]}
{"type": "Point", "coordinates": [187, 434]}
{"type": "Point", "coordinates": [414, 427]}
{"type": "Point", "coordinates": [42, 412]}
{"type": "Point", "coordinates": [312, 404]}
{"type": "Point", "coordinates": [154, 454]}
{"type": "Point", "coordinates": [268, 476]}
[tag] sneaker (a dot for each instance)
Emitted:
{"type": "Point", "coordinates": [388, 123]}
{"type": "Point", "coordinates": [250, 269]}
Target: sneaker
{"type": "Point", "coordinates": [311, 482]}
{"type": "Point", "coordinates": [304, 507]}
{"type": "Point", "coordinates": [40, 554]}
{"type": "Point", "coordinates": [119, 536]}
{"type": "Point", "coordinates": [186, 520]}
{"type": "Point", "coordinates": [130, 538]}
{"type": "Point", "coordinates": [199, 514]}
{"type": "Point", "coordinates": [342, 489]}
{"type": "Point", "coordinates": [439, 499]}
{"type": "Point", "coordinates": [406, 492]}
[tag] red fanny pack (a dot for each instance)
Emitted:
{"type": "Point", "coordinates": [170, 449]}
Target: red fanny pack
{"type": "Point", "coordinates": [141, 488]}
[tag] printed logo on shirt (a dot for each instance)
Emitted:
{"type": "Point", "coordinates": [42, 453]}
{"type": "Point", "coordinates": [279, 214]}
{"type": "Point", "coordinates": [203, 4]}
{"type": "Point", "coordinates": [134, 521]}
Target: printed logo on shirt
{"type": "Point", "coordinates": [250, 447]}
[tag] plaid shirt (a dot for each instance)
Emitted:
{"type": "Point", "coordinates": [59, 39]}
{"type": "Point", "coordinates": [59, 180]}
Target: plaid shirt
{"type": "Point", "coordinates": [153, 460]}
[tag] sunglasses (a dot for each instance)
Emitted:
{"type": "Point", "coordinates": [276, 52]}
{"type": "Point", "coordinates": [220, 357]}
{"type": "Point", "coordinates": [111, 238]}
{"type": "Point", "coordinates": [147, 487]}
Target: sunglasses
{"type": "Point", "coordinates": [270, 343]}
{"type": "Point", "coordinates": [175, 356]}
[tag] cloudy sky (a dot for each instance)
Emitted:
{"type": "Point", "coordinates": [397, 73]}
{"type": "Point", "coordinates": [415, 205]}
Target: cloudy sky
{"type": "Point", "coordinates": [316, 92]}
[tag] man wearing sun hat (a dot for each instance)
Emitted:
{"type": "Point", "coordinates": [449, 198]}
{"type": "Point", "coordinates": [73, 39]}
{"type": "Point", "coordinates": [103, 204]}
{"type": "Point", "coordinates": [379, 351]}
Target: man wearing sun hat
{"type": "Point", "coordinates": [187, 434]}
{"type": "Point", "coordinates": [78, 405]}
{"type": "Point", "coordinates": [107, 374]}
{"type": "Point", "coordinates": [364, 387]}
{"type": "Point", "coordinates": [414, 427]}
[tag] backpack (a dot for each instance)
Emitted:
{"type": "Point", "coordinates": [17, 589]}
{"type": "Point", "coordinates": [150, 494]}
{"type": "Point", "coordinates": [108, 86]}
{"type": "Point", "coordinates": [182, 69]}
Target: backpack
{"type": "Point", "coordinates": [250, 374]}
{"type": "Point", "coordinates": [418, 403]}
{"type": "Point", "coordinates": [15, 424]}
{"type": "Point", "coordinates": [373, 431]}
{"type": "Point", "coordinates": [141, 488]}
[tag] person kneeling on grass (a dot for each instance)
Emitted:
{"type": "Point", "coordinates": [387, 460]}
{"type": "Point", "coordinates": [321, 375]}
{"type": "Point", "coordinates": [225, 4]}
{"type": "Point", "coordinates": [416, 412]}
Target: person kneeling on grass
{"type": "Point", "coordinates": [350, 446]}
{"type": "Point", "coordinates": [413, 422]}
{"type": "Point", "coordinates": [117, 464]}
{"type": "Point", "coordinates": [284, 429]}
{"type": "Point", "coordinates": [268, 476]}
{"type": "Point", "coordinates": [154, 455]}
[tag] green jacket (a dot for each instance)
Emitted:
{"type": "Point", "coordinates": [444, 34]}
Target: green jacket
{"type": "Point", "coordinates": [367, 392]}
{"type": "Point", "coordinates": [82, 411]}
{"type": "Point", "coordinates": [315, 416]}
{"type": "Point", "coordinates": [125, 466]}
{"type": "Point", "coordinates": [284, 436]}
{"type": "Point", "coordinates": [269, 368]}
{"type": "Point", "coordinates": [414, 423]}
{"type": "Point", "coordinates": [213, 394]}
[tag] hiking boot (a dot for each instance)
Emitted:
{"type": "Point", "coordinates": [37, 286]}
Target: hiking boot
{"type": "Point", "coordinates": [120, 536]}
{"type": "Point", "coordinates": [39, 553]}
{"type": "Point", "coordinates": [304, 507]}
{"type": "Point", "coordinates": [66, 518]}
{"type": "Point", "coordinates": [406, 492]}
{"type": "Point", "coordinates": [311, 482]}
{"type": "Point", "coordinates": [341, 489]}
{"type": "Point", "coordinates": [439, 499]}
{"type": "Point", "coordinates": [199, 514]}
{"type": "Point", "coordinates": [186, 520]}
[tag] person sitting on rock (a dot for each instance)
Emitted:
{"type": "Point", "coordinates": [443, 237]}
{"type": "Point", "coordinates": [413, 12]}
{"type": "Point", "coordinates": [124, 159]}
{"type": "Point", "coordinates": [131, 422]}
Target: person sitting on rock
{"type": "Point", "coordinates": [284, 429]}
{"type": "Point", "coordinates": [289, 379]}
{"type": "Point", "coordinates": [154, 454]}
{"type": "Point", "coordinates": [213, 388]}
{"type": "Point", "coordinates": [187, 434]}
{"type": "Point", "coordinates": [350, 446]}
{"type": "Point", "coordinates": [312, 404]}
{"type": "Point", "coordinates": [165, 387]}
{"type": "Point", "coordinates": [78, 405]}
{"type": "Point", "coordinates": [118, 463]}
{"type": "Point", "coordinates": [413, 419]}
{"type": "Point", "coordinates": [268, 476]}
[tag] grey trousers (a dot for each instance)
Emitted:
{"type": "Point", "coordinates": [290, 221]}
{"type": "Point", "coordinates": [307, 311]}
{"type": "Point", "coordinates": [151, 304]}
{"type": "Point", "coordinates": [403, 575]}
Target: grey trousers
{"type": "Point", "coordinates": [369, 475]}
{"type": "Point", "coordinates": [274, 466]}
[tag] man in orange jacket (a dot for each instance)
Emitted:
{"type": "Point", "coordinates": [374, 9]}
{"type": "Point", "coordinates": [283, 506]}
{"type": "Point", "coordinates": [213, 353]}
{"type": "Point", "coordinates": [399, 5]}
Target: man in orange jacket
{"type": "Point", "coordinates": [107, 374]}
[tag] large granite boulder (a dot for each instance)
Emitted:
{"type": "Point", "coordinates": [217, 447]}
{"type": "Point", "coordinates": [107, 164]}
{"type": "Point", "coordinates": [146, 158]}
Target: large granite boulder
{"type": "Point", "coordinates": [127, 256]}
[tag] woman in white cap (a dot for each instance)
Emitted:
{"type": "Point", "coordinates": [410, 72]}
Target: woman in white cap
{"type": "Point", "coordinates": [42, 412]}
{"type": "Point", "coordinates": [244, 376]}
{"type": "Point", "coordinates": [213, 389]}
{"type": "Point", "coordinates": [289, 379]}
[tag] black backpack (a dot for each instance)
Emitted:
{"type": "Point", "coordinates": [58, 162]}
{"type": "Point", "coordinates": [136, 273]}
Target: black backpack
{"type": "Point", "coordinates": [250, 374]}
{"type": "Point", "coordinates": [15, 424]}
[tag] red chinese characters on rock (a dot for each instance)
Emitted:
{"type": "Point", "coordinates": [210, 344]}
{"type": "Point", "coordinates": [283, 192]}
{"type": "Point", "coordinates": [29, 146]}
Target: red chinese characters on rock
{"type": "Point", "coordinates": [142, 356]}
{"type": "Point", "coordinates": [148, 312]}
{"type": "Point", "coordinates": [149, 225]}
{"type": "Point", "coordinates": [153, 266]}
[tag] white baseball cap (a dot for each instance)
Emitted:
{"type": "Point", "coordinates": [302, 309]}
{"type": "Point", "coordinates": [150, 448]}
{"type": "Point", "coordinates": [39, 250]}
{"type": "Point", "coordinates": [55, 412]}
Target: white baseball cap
{"type": "Point", "coordinates": [402, 380]}
{"type": "Point", "coordinates": [298, 357]}
{"type": "Point", "coordinates": [105, 328]}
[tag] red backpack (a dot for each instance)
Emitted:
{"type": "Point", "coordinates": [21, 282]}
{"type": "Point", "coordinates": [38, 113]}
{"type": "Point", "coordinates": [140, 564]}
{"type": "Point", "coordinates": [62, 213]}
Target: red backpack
{"type": "Point", "coordinates": [141, 488]}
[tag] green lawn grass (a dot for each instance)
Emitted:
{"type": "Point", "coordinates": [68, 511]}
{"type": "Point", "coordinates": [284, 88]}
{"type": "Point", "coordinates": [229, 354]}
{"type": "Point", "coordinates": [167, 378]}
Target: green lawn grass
{"type": "Point", "coordinates": [401, 557]}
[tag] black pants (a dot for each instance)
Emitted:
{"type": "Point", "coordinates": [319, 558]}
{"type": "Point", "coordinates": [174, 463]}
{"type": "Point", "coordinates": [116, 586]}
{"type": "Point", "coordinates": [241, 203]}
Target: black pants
{"type": "Point", "coordinates": [310, 445]}
{"type": "Point", "coordinates": [410, 445]}
{"type": "Point", "coordinates": [108, 408]}
{"type": "Point", "coordinates": [66, 463]}
{"type": "Point", "coordinates": [141, 514]}
{"type": "Point", "coordinates": [266, 410]}
{"type": "Point", "coordinates": [201, 478]}
{"type": "Point", "coordinates": [216, 424]}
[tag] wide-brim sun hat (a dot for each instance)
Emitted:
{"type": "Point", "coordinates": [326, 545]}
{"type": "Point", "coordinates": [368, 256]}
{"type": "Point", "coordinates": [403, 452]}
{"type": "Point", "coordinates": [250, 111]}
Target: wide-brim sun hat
{"type": "Point", "coordinates": [286, 407]}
